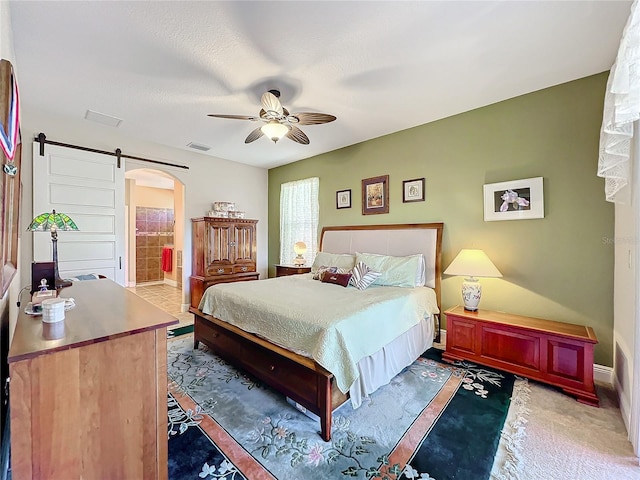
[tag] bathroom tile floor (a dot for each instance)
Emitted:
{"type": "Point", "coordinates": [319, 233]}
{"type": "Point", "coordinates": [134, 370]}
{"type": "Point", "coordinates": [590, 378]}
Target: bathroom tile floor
{"type": "Point", "coordinates": [167, 298]}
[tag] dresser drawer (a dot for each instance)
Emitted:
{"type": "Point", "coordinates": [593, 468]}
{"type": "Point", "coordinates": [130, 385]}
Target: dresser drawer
{"type": "Point", "coordinates": [200, 284]}
{"type": "Point", "coordinates": [219, 269]}
{"type": "Point", "coordinates": [244, 268]}
{"type": "Point", "coordinates": [218, 339]}
{"type": "Point", "coordinates": [300, 382]}
{"type": "Point", "coordinates": [288, 377]}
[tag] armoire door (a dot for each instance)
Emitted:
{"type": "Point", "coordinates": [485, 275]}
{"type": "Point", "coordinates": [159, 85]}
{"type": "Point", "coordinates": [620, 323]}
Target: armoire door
{"type": "Point", "coordinates": [245, 245]}
{"type": "Point", "coordinates": [219, 241]}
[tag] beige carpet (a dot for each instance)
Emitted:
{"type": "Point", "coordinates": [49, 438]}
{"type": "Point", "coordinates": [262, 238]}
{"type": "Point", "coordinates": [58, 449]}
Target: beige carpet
{"type": "Point", "coordinates": [566, 440]}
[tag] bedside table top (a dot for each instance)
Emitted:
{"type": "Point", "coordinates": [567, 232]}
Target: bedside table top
{"type": "Point", "coordinates": [285, 270]}
{"type": "Point", "coordinates": [291, 266]}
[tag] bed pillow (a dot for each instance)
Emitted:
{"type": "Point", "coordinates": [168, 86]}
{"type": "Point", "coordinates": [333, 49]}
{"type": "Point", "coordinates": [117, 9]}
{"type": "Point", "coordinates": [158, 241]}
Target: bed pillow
{"type": "Point", "coordinates": [395, 271]}
{"type": "Point", "coordinates": [342, 279]}
{"type": "Point", "coordinates": [362, 276]}
{"type": "Point", "coordinates": [323, 268]}
{"type": "Point", "coordinates": [421, 276]}
{"type": "Point", "coordinates": [340, 260]}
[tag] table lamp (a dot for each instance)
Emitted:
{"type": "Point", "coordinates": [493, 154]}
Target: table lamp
{"type": "Point", "coordinates": [471, 264]}
{"type": "Point", "coordinates": [53, 222]}
{"type": "Point", "coordinates": [300, 248]}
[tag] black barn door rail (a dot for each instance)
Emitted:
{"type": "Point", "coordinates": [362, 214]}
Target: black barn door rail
{"type": "Point", "coordinates": [42, 139]}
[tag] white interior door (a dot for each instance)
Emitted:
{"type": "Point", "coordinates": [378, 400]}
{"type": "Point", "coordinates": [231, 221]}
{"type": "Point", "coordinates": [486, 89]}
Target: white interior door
{"type": "Point", "coordinates": [89, 187]}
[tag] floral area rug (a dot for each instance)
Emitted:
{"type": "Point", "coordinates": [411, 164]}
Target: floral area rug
{"type": "Point", "coordinates": [433, 421]}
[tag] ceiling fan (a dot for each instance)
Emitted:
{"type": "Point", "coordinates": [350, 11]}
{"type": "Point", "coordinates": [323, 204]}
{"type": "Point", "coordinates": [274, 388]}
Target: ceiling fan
{"type": "Point", "coordinates": [278, 122]}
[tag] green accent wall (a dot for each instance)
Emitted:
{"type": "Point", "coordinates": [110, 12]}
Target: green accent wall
{"type": "Point", "coordinates": [559, 267]}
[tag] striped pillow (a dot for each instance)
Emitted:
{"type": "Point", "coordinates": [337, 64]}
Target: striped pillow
{"type": "Point", "coordinates": [363, 276]}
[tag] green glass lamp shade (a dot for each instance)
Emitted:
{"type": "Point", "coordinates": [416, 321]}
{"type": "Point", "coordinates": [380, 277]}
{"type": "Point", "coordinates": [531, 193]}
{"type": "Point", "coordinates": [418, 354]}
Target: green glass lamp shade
{"type": "Point", "coordinates": [53, 222]}
{"type": "Point", "coordinates": [45, 221]}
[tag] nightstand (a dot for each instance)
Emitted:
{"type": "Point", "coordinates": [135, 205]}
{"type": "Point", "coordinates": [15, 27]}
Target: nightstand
{"type": "Point", "coordinates": [284, 270]}
{"type": "Point", "coordinates": [557, 353]}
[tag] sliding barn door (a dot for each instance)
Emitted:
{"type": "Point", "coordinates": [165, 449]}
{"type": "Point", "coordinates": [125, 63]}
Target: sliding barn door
{"type": "Point", "coordinates": [89, 187]}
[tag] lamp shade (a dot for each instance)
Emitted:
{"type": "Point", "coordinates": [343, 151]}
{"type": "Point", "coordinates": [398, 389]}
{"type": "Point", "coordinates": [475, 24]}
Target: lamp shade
{"type": "Point", "coordinates": [472, 263]}
{"type": "Point", "coordinates": [300, 248]}
{"type": "Point", "coordinates": [51, 221]}
{"type": "Point", "coordinates": [274, 130]}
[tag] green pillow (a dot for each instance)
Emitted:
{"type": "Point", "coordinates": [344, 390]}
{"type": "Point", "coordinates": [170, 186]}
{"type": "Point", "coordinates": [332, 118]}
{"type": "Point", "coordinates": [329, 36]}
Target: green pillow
{"type": "Point", "coordinates": [340, 260]}
{"type": "Point", "coordinates": [395, 271]}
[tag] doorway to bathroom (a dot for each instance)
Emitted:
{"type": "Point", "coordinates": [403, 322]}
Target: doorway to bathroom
{"type": "Point", "coordinates": [155, 239]}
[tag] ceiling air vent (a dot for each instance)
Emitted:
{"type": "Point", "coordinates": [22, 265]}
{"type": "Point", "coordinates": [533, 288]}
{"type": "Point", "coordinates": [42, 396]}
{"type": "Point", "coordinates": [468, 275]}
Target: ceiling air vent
{"type": "Point", "coordinates": [199, 146]}
{"type": "Point", "coordinates": [102, 118]}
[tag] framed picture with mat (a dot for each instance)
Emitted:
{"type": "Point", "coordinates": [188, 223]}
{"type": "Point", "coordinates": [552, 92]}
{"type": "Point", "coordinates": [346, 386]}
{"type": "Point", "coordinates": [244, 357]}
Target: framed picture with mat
{"type": "Point", "coordinates": [43, 271]}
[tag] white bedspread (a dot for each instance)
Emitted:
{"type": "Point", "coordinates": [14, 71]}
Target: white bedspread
{"type": "Point", "coordinates": [335, 326]}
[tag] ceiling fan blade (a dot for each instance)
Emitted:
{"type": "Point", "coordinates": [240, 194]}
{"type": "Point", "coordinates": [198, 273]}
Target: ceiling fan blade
{"type": "Point", "coordinates": [234, 117]}
{"type": "Point", "coordinates": [297, 135]}
{"type": "Point", "coordinates": [310, 118]}
{"type": "Point", "coordinates": [254, 135]}
{"type": "Point", "coordinates": [270, 103]}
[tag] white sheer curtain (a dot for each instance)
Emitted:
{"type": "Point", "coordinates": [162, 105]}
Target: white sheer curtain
{"type": "Point", "coordinates": [621, 109]}
{"type": "Point", "coordinates": [299, 213]}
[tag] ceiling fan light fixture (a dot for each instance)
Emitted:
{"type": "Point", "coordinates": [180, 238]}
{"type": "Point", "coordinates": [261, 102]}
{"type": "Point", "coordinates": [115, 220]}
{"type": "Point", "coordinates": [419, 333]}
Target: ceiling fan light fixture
{"type": "Point", "coordinates": [274, 130]}
{"type": "Point", "coordinates": [278, 122]}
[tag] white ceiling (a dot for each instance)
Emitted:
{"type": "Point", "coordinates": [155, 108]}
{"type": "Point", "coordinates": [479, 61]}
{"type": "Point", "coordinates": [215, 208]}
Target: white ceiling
{"type": "Point", "coordinates": [380, 67]}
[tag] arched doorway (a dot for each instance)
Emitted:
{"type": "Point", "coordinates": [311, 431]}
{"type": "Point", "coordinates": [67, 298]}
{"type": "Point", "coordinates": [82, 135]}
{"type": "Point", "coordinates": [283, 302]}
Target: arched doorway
{"type": "Point", "coordinates": [155, 238]}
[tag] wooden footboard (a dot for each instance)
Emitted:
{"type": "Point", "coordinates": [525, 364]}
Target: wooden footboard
{"type": "Point", "coordinates": [300, 378]}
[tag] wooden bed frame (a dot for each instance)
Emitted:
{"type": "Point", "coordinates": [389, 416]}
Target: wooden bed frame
{"type": "Point", "coordinates": [298, 377]}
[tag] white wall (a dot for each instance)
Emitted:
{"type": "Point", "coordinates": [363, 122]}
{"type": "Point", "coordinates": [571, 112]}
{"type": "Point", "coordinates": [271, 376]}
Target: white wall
{"type": "Point", "coordinates": [625, 286]}
{"type": "Point", "coordinates": [6, 33]}
{"type": "Point", "coordinates": [207, 180]}
{"type": "Point", "coordinates": [626, 295]}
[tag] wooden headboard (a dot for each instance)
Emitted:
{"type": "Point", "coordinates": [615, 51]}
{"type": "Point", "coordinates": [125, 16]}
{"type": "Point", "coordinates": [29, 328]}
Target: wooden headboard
{"type": "Point", "coordinates": [397, 240]}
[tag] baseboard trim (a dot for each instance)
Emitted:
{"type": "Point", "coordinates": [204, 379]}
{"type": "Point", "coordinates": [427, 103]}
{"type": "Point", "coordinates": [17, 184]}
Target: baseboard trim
{"type": "Point", "coordinates": [184, 307]}
{"type": "Point", "coordinates": [601, 373]}
{"type": "Point", "coordinates": [148, 284]}
{"type": "Point", "coordinates": [625, 408]}
{"type": "Point", "coordinates": [170, 282]}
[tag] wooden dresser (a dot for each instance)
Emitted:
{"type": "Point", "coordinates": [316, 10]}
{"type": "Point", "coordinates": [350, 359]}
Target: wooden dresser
{"type": "Point", "coordinates": [88, 395]}
{"type": "Point", "coordinates": [223, 250]}
{"type": "Point", "coordinates": [557, 353]}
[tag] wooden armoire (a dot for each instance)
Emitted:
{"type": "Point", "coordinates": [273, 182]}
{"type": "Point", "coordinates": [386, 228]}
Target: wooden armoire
{"type": "Point", "coordinates": [223, 250]}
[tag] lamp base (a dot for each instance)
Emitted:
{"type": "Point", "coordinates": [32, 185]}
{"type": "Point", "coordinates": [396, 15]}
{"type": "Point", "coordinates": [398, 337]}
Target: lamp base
{"type": "Point", "coordinates": [299, 261]}
{"type": "Point", "coordinates": [471, 293]}
{"type": "Point", "coordinates": [60, 283]}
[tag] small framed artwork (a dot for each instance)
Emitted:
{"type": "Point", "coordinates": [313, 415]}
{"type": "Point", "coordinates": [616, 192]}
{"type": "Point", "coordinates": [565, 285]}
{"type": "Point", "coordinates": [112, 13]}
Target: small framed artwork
{"type": "Point", "coordinates": [514, 200]}
{"type": "Point", "coordinates": [343, 198]}
{"type": "Point", "coordinates": [413, 190]}
{"type": "Point", "coordinates": [375, 195]}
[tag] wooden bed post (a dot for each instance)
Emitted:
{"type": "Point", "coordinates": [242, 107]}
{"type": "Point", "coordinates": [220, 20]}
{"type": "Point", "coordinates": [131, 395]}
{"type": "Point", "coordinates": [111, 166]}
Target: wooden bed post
{"type": "Point", "coordinates": [324, 402]}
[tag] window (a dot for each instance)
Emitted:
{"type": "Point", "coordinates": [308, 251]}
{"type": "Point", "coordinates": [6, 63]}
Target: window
{"type": "Point", "coordinates": [299, 212]}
